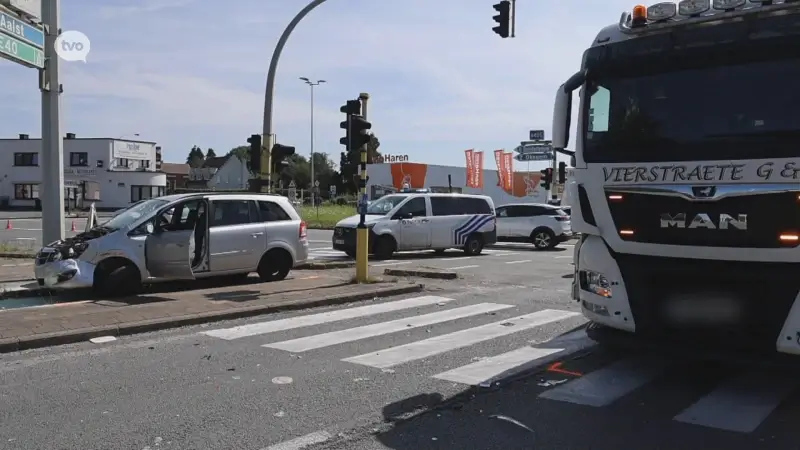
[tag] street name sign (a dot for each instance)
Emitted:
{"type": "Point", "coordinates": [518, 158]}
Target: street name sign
{"type": "Point", "coordinates": [537, 135]}
{"type": "Point", "coordinates": [535, 148]}
{"type": "Point", "coordinates": [14, 27]}
{"type": "Point", "coordinates": [534, 157]}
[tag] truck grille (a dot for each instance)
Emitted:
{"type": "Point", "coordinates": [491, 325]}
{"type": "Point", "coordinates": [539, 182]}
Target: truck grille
{"type": "Point", "coordinates": [766, 292]}
{"type": "Point", "coordinates": [768, 216]}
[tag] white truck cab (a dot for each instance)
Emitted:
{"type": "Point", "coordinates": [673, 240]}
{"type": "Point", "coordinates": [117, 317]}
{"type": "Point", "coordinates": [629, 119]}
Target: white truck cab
{"type": "Point", "coordinates": [686, 186]}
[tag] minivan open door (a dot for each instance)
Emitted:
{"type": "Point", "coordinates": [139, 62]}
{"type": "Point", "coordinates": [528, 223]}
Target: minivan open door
{"type": "Point", "coordinates": [169, 254]}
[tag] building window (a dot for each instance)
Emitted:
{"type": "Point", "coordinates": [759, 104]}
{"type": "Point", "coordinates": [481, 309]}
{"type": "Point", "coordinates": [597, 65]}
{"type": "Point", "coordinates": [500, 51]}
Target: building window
{"type": "Point", "coordinates": [26, 159]}
{"type": "Point", "coordinates": [144, 164]}
{"type": "Point", "coordinates": [78, 159]}
{"type": "Point", "coordinates": [123, 162]}
{"type": "Point", "coordinates": [26, 191]}
{"type": "Point", "coordinates": [139, 192]}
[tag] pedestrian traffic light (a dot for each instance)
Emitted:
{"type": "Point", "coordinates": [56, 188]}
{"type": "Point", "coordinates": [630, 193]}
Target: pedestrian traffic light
{"type": "Point", "coordinates": [278, 155]}
{"type": "Point", "coordinates": [503, 18]}
{"type": "Point", "coordinates": [547, 178]}
{"type": "Point", "coordinates": [562, 172]}
{"type": "Point", "coordinates": [255, 152]}
{"type": "Point", "coordinates": [351, 108]}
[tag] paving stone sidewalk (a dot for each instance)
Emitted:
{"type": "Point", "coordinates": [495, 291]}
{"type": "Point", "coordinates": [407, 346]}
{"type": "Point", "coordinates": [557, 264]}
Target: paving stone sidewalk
{"type": "Point", "coordinates": [16, 269]}
{"type": "Point", "coordinates": [77, 321]}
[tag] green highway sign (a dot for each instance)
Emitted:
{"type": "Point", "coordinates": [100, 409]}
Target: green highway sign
{"type": "Point", "coordinates": [21, 52]}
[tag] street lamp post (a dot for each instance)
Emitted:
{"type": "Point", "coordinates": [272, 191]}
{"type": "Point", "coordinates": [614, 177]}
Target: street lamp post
{"type": "Point", "coordinates": [311, 84]}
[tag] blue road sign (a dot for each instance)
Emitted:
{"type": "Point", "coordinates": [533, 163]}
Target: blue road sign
{"type": "Point", "coordinates": [21, 30]}
{"type": "Point", "coordinates": [537, 135]}
{"type": "Point", "coordinates": [534, 157]}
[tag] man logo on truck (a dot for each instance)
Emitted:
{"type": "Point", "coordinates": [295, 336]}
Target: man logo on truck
{"type": "Point", "coordinates": [703, 220]}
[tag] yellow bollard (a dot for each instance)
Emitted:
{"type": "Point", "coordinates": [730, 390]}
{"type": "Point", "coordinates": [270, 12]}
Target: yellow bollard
{"type": "Point", "coordinates": [362, 254]}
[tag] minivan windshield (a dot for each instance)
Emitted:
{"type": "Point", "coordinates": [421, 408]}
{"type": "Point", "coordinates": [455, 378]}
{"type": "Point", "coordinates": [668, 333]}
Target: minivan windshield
{"type": "Point", "coordinates": [129, 216]}
{"type": "Point", "coordinates": [385, 204]}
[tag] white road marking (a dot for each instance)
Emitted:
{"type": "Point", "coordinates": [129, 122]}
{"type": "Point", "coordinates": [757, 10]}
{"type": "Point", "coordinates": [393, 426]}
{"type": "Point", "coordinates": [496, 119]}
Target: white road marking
{"type": "Point", "coordinates": [393, 356]}
{"type": "Point", "coordinates": [379, 329]}
{"type": "Point", "coordinates": [460, 267]}
{"type": "Point", "coordinates": [518, 262]}
{"type": "Point", "coordinates": [607, 385]}
{"type": "Point", "coordinates": [564, 257]}
{"type": "Point", "coordinates": [740, 404]}
{"type": "Point", "coordinates": [398, 263]}
{"type": "Point", "coordinates": [302, 442]}
{"type": "Point", "coordinates": [254, 329]}
{"type": "Point", "coordinates": [519, 360]}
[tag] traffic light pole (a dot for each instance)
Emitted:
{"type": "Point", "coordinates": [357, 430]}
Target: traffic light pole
{"type": "Point", "coordinates": [268, 138]}
{"type": "Point", "coordinates": [362, 232]}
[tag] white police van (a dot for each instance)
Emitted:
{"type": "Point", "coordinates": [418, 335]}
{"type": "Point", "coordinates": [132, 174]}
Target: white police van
{"type": "Point", "coordinates": [415, 219]}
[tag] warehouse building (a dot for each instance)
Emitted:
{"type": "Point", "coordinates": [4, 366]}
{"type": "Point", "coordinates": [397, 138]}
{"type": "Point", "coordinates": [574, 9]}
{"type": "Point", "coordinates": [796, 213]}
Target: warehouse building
{"type": "Point", "coordinates": [113, 173]}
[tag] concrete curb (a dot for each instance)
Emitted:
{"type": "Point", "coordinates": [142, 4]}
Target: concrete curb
{"type": "Point", "coordinates": [324, 266]}
{"type": "Point", "coordinates": [12, 255]}
{"type": "Point", "coordinates": [84, 334]}
{"type": "Point", "coordinates": [422, 273]}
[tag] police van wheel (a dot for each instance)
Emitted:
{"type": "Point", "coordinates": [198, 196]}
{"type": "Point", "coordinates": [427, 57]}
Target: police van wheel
{"type": "Point", "coordinates": [383, 247]}
{"type": "Point", "coordinates": [474, 245]}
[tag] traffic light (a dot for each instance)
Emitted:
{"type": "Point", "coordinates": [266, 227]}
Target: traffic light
{"type": "Point", "coordinates": [351, 108]}
{"type": "Point", "coordinates": [278, 154]}
{"type": "Point", "coordinates": [255, 152]}
{"type": "Point", "coordinates": [547, 178]}
{"type": "Point", "coordinates": [562, 172]}
{"type": "Point", "coordinates": [359, 134]}
{"type": "Point", "coordinates": [503, 18]}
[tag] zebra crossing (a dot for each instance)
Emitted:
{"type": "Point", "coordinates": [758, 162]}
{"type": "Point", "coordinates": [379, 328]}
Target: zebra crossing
{"type": "Point", "coordinates": [736, 402]}
{"type": "Point", "coordinates": [482, 371]}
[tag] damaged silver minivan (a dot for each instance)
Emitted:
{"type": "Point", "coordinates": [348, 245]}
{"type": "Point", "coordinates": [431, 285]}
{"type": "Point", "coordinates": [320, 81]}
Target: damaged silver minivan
{"type": "Point", "coordinates": [179, 237]}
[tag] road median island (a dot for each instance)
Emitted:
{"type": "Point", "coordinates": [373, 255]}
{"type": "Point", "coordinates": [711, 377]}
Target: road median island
{"type": "Point", "coordinates": [438, 274]}
{"type": "Point", "coordinates": [29, 328]}
{"type": "Point", "coordinates": [325, 265]}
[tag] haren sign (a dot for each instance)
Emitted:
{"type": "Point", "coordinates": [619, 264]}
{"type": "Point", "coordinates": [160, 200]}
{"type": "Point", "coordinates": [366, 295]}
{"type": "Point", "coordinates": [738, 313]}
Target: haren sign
{"type": "Point", "coordinates": [389, 159]}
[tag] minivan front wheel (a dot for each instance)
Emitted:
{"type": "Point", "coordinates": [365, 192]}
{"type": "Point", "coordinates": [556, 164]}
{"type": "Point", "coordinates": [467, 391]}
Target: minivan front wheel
{"type": "Point", "coordinates": [116, 278]}
{"type": "Point", "coordinates": [474, 245]}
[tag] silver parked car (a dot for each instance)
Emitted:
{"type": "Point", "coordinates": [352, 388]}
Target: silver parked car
{"type": "Point", "coordinates": [179, 237]}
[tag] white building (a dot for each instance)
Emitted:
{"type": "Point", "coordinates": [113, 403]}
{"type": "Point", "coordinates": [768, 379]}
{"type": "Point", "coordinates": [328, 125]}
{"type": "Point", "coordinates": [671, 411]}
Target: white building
{"type": "Point", "coordinates": [220, 173]}
{"type": "Point", "coordinates": [111, 172]}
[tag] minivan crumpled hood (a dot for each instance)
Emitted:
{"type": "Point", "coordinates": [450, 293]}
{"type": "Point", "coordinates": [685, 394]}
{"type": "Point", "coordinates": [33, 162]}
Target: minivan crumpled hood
{"type": "Point", "coordinates": [78, 243]}
{"type": "Point", "coordinates": [352, 221]}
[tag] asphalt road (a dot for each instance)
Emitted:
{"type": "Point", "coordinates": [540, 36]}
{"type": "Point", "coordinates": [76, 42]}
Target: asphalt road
{"type": "Point", "coordinates": [275, 381]}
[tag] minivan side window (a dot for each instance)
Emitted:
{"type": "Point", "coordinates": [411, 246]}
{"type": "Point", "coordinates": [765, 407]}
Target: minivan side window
{"type": "Point", "coordinates": [232, 212]}
{"type": "Point", "coordinates": [415, 207]}
{"type": "Point", "coordinates": [272, 212]}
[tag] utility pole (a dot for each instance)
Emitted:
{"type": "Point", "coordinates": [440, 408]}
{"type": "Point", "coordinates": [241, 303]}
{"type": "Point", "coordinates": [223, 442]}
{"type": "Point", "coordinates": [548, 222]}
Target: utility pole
{"type": "Point", "coordinates": [312, 84]}
{"type": "Point", "coordinates": [52, 154]}
{"type": "Point", "coordinates": [269, 93]}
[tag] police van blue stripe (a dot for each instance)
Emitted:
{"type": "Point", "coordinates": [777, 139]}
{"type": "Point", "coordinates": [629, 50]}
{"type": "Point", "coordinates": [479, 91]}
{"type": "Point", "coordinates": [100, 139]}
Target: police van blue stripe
{"type": "Point", "coordinates": [472, 225]}
{"type": "Point", "coordinates": [466, 225]}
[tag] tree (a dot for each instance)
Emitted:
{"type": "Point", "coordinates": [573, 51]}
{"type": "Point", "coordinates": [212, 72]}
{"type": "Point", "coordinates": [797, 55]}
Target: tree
{"type": "Point", "coordinates": [196, 157]}
{"type": "Point", "coordinates": [210, 153]}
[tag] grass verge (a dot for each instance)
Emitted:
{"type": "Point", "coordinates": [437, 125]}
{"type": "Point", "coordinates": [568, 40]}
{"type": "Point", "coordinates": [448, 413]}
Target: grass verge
{"type": "Point", "coordinates": [325, 216]}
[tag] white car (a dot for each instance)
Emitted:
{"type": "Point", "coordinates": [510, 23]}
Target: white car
{"type": "Point", "coordinates": [542, 225]}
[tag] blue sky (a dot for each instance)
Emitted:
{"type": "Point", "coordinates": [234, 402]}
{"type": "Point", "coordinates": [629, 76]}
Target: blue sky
{"type": "Point", "coordinates": [186, 72]}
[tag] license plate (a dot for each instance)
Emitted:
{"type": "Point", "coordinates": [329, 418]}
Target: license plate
{"type": "Point", "coordinates": [703, 309]}
{"type": "Point", "coordinates": [338, 241]}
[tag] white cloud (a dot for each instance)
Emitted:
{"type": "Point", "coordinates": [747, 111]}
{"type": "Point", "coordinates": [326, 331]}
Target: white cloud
{"type": "Point", "coordinates": [187, 72]}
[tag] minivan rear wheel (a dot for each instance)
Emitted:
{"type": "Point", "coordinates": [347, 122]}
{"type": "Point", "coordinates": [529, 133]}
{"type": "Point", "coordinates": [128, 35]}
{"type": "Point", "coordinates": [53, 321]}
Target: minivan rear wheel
{"type": "Point", "coordinates": [275, 265]}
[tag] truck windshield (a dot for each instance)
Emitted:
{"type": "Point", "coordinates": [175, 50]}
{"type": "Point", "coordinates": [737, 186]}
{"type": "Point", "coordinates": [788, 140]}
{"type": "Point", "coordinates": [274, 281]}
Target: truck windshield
{"type": "Point", "coordinates": [712, 113]}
